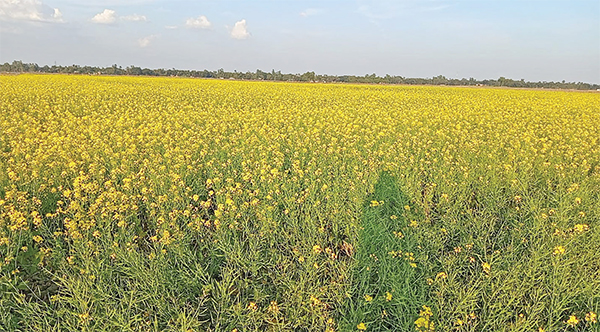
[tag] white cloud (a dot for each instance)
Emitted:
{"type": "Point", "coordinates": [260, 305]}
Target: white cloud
{"type": "Point", "coordinates": [28, 10]}
{"type": "Point", "coordinates": [201, 22]}
{"type": "Point", "coordinates": [145, 42]}
{"type": "Point", "coordinates": [310, 12]}
{"type": "Point", "coordinates": [239, 30]}
{"type": "Point", "coordinates": [108, 16]}
{"type": "Point", "coordinates": [57, 14]}
{"type": "Point", "coordinates": [134, 18]}
{"type": "Point", "coordinates": [170, 27]}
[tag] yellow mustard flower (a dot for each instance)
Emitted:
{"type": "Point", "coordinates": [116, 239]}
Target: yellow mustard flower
{"type": "Point", "coordinates": [572, 321]}
{"type": "Point", "coordinates": [559, 250]}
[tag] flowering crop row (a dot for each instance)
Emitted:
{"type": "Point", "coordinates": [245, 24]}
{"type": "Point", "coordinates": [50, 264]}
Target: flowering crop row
{"type": "Point", "coordinates": [180, 204]}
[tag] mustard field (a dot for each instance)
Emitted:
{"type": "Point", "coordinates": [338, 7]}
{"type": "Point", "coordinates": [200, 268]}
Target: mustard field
{"type": "Point", "coordinates": [167, 204]}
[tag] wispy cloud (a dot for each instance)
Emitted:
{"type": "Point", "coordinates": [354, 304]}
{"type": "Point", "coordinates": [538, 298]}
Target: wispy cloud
{"type": "Point", "coordinates": [239, 30]}
{"type": "Point", "coordinates": [201, 22]}
{"type": "Point", "coordinates": [108, 3]}
{"type": "Point", "coordinates": [28, 10]}
{"type": "Point", "coordinates": [10, 29]}
{"type": "Point", "coordinates": [434, 8]}
{"type": "Point", "coordinates": [387, 9]}
{"type": "Point", "coordinates": [109, 16]}
{"type": "Point", "coordinates": [134, 18]}
{"type": "Point", "coordinates": [145, 42]}
{"type": "Point", "coordinates": [310, 12]}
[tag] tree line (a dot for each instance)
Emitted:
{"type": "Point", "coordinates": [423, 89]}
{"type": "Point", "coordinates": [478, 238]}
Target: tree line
{"type": "Point", "coordinates": [20, 67]}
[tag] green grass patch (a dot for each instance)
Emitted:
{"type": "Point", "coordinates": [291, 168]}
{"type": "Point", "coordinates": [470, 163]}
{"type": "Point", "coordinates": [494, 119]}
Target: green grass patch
{"type": "Point", "coordinates": [388, 288]}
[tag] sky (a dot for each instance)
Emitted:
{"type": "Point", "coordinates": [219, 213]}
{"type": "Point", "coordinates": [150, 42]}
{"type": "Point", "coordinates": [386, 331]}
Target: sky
{"type": "Point", "coordinates": [535, 40]}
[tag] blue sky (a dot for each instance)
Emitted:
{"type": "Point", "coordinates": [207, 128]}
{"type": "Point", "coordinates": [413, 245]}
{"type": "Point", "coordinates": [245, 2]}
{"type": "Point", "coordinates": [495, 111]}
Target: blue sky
{"type": "Point", "coordinates": [519, 39]}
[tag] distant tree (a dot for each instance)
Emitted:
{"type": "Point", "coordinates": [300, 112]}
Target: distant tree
{"type": "Point", "coordinates": [133, 70]}
{"type": "Point", "coordinates": [19, 67]}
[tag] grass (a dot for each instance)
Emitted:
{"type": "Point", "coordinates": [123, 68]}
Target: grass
{"type": "Point", "coordinates": [387, 292]}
